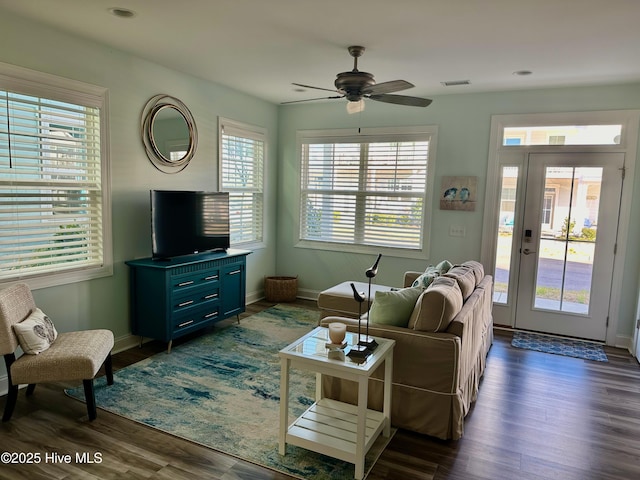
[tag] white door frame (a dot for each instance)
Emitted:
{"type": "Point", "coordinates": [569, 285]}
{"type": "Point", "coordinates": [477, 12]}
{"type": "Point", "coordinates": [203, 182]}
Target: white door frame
{"type": "Point", "coordinates": [636, 342]}
{"type": "Point", "coordinates": [629, 119]}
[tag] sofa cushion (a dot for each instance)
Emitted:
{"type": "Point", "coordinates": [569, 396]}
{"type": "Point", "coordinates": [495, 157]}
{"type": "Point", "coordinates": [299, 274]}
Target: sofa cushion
{"type": "Point", "coordinates": [394, 307]}
{"type": "Point", "coordinates": [465, 277]}
{"type": "Point", "coordinates": [437, 306]}
{"type": "Point", "coordinates": [478, 269]}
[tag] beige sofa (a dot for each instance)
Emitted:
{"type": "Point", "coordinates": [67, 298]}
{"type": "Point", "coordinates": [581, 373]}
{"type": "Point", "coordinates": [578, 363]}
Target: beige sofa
{"type": "Point", "coordinates": [439, 356]}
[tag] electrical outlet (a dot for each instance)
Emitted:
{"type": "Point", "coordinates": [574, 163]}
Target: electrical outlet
{"type": "Point", "coordinates": [457, 231]}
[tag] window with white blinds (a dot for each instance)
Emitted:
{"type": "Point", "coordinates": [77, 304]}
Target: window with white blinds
{"type": "Point", "coordinates": [367, 190]}
{"type": "Point", "coordinates": [242, 158]}
{"type": "Point", "coordinates": [52, 202]}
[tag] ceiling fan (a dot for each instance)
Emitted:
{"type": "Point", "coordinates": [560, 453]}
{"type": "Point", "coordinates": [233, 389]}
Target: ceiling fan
{"type": "Point", "coordinates": [355, 86]}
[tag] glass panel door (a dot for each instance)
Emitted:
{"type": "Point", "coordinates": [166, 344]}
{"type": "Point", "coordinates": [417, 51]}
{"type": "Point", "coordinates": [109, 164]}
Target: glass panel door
{"type": "Point", "coordinates": [568, 238]}
{"type": "Point", "coordinates": [504, 244]}
{"type": "Point", "coordinates": [567, 243]}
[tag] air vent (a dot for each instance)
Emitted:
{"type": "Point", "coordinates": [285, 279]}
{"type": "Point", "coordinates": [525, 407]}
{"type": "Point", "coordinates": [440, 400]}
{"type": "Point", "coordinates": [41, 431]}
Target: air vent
{"type": "Point", "coordinates": [454, 83]}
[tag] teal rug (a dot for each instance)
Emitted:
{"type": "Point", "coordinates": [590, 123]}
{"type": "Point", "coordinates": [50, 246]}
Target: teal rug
{"type": "Point", "coordinates": [559, 346]}
{"type": "Point", "coordinates": [222, 390]}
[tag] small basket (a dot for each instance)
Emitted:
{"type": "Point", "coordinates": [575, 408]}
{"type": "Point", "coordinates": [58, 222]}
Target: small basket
{"type": "Point", "coordinates": [280, 289]}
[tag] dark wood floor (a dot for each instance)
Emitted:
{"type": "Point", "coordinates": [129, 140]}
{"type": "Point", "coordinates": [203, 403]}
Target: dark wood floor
{"type": "Point", "coordinates": [538, 416]}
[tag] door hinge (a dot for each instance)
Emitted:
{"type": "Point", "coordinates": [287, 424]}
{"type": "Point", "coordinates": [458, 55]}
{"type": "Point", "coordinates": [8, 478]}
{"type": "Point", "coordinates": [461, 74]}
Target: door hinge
{"type": "Point", "coordinates": [638, 324]}
{"type": "Point", "coordinates": [615, 248]}
{"type": "Point", "coordinates": [607, 321]}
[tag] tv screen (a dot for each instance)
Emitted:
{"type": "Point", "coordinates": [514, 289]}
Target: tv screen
{"type": "Point", "coordinates": [188, 222]}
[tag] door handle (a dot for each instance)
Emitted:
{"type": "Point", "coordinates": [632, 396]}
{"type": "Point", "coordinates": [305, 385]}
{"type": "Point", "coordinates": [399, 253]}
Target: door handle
{"type": "Point", "coordinates": [526, 251]}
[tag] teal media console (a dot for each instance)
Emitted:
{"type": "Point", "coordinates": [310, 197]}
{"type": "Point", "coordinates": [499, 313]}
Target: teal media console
{"type": "Point", "coordinates": [174, 297]}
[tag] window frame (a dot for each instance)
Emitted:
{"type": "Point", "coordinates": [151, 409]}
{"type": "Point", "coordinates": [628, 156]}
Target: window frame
{"type": "Point", "coordinates": [33, 83]}
{"type": "Point", "coordinates": [371, 135]}
{"type": "Point", "coordinates": [255, 133]}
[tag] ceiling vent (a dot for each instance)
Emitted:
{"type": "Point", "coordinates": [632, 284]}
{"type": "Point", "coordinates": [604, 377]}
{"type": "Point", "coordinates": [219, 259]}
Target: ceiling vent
{"type": "Point", "coordinates": [455, 83]}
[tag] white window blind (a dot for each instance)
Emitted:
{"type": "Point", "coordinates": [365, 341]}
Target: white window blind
{"type": "Point", "coordinates": [51, 198]}
{"type": "Point", "coordinates": [242, 157]}
{"type": "Point", "coordinates": [367, 190]}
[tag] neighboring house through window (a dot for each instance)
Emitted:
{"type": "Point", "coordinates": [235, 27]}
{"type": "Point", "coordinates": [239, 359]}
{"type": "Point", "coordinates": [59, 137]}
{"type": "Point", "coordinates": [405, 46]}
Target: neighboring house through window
{"type": "Point", "coordinates": [242, 159]}
{"type": "Point", "coordinates": [367, 191]}
{"type": "Point", "coordinates": [54, 190]}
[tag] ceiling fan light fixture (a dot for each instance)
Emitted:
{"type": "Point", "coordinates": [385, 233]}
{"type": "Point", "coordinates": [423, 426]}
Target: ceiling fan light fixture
{"type": "Point", "coordinates": [356, 85]}
{"type": "Point", "coordinates": [355, 107]}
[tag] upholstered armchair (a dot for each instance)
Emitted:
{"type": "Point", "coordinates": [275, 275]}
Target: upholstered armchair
{"type": "Point", "coordinates": [48, 356]}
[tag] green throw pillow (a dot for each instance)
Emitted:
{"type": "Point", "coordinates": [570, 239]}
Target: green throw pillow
{"type": "Point", "coordinates": [394, 307]}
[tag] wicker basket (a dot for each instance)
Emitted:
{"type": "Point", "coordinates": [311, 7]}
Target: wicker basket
{"type": "Point", "coordinates": [280, 289]}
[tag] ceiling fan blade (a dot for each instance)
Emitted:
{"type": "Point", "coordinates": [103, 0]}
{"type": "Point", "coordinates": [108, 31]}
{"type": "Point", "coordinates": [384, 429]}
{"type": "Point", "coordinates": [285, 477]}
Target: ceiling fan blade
{"type": "Point", "coordinates": [402, 100]}
{"type": "Point", "coordinates": [316, 88]}
{"type": "Point", "coordinates": [387, 87]}
{"type": "Point", "coordinates": [311, 99]}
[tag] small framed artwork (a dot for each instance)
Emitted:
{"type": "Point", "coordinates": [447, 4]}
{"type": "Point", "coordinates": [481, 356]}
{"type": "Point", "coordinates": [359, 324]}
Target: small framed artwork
{"type": "Point", "coordinates": [458, 193]}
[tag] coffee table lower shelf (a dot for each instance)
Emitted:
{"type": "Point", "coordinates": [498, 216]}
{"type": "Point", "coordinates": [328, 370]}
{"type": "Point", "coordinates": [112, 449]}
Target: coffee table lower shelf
{"type": "Point", "coordinates": [330, 427]}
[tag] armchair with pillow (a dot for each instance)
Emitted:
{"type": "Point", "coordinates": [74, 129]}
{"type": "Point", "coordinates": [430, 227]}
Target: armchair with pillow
{"type": "Point", "coordinates": [47, 356]}
{"type": "Point", "coordinates": [442, 324]}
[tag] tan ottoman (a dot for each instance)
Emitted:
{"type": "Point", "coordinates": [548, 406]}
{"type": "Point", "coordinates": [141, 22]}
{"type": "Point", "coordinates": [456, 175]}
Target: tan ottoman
{"type": "Point", "coordinates": [339, 300]}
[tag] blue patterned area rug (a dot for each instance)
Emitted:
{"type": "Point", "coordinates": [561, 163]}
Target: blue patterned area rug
{"type": "Point", "coordinates": [559, 346]}
{"type": "Point", "coordinates": [222, 390]}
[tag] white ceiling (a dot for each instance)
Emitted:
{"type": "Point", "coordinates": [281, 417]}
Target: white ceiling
{"type": "Point", "coordinates": [260, 46]}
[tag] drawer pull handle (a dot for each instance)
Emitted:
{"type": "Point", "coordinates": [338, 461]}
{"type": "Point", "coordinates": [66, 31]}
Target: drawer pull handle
{"type": "Point", "coordinates": [185, 324]}
{"type": "Point", "coordinates": [184, 284]}
{"type": "Point", "coordinates": [209, 297]}
{"type": "Point", "coordinates": [212, 314]}
{"type": "Point", "coordinates": [235, 272]}
{"type": "Point", "coordinates": [212, 277]}
{"type": "Point", "coordinates": [184, 304]}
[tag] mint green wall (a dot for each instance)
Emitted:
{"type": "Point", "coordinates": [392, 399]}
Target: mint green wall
{"type": "Point", "coordinates": [131, 82]}
{"type": "Point", "coordinates": [463, 121]}
{"type": "Point", "coordinates": [463, 145]}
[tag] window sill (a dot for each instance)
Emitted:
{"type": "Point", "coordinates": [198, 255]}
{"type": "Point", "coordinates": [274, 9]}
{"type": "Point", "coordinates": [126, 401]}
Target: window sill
{"type": "Point", "coordinates": [421, 254]}
{"type": "Point", "coordinates": [36, 282]}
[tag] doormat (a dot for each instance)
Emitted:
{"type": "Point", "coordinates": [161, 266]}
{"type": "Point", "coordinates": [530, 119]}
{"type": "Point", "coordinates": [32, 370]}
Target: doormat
{"type": "Point", "coordinates": [222, 390]}
{"type": "Point", "coordinates": [559, 346]}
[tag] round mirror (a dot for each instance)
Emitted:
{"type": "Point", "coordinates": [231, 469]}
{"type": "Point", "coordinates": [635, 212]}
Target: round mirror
{"type": "Point", "coordinates": [168, 133]}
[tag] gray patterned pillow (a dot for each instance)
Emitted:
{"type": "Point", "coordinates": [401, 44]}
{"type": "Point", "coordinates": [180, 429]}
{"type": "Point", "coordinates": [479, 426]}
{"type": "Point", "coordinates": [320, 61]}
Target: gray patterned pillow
{"type": "Point", "coordinates": [35, 333]}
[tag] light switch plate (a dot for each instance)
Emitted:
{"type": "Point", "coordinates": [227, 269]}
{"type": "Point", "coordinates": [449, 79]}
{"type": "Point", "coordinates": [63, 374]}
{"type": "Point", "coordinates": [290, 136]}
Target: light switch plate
{"type": "Point", "coordinates": [457, 231]}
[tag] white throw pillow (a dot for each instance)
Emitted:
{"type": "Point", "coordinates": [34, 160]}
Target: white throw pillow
{"type": "Point", "coordinates": [35, 333]}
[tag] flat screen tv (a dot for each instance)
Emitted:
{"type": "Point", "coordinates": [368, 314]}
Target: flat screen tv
{"type": "Point", "coordinates": [188, 222]}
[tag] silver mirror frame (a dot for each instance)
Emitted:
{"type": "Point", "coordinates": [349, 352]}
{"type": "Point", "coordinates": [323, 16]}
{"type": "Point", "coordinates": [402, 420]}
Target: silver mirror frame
{"type": "Point", "coordinates": [155, 105]}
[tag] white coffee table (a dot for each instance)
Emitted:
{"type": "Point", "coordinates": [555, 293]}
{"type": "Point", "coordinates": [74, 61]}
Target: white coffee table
{"type": "Point", "coordinates": [333, 428]}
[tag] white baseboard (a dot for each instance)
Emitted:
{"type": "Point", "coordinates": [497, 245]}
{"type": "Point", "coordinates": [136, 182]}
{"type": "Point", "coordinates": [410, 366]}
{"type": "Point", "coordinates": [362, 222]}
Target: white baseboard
{"type": "Point", "coordinates": [306, 294]}
{"type": "Point", "coordinates": [624, 341]}
{"type": "Point", "coordinates": [125, 343]}
{"type": "Point", "coordinates": [302, 294]}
